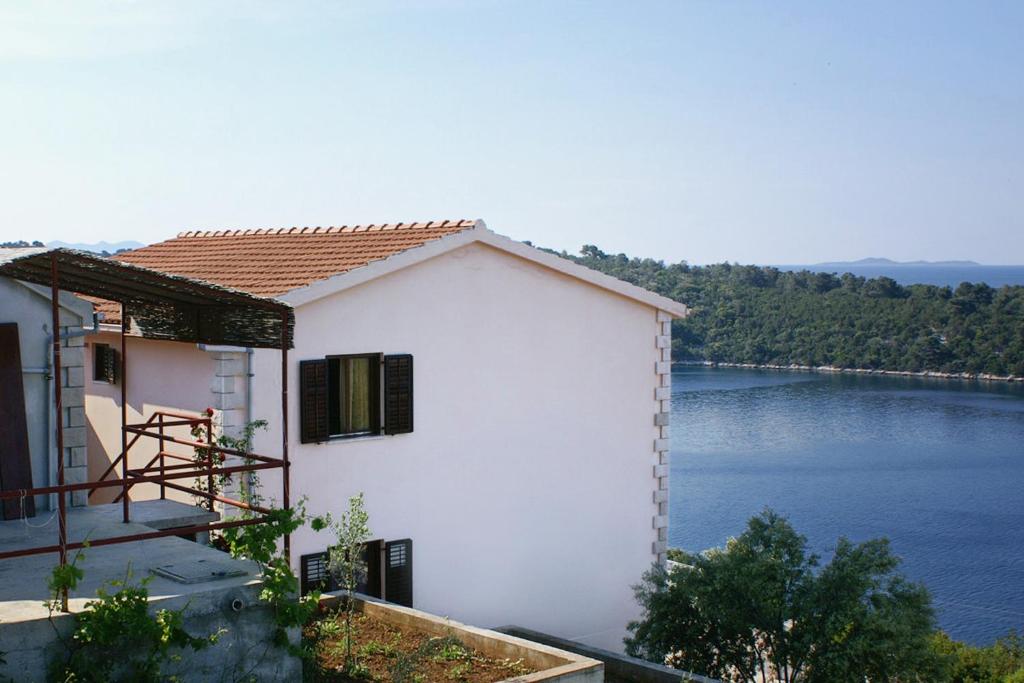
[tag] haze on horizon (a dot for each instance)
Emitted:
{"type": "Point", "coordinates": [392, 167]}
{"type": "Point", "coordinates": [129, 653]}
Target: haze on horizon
{"type": "Point", "coordinates": [798, 132]}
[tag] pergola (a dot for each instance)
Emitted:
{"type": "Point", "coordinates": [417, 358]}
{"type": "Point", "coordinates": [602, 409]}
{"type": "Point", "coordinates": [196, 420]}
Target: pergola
{"type": "Point", "coordinates": [154, 305]}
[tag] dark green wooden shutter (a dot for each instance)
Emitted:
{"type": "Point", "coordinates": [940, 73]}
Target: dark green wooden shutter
{"type": "Point", "coordinates": [398, 402]}
{"type": "Point", "coordinates": [313, 400]}
{"type": "Point", "coordinates": [110, 359]}
{"type": "Point", "coordinates": [313, 573]}
{"type": "Point", "coordinates": [398, 572]}
{"type": "Point", "coordinates": [371, 584]}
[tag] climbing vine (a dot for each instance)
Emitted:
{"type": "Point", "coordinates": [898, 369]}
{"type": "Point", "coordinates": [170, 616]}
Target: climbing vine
{"type": "Point", "coordinates": [261, 543]}
{"type": "Point", "coordinates": [115, 637]}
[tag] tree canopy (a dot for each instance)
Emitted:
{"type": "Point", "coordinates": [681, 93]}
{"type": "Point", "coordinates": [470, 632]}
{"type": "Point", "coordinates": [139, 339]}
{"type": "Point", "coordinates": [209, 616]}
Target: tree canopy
{"type": "Point", "coordinates": [765, 316]}
{"type": "Point", "coordinates": [763, 609]}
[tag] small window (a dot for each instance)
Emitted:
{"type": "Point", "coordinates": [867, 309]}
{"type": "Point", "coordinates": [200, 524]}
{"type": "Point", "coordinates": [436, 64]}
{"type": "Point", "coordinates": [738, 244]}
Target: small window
{"type": "Point", "coordinates": [104, 363]}
{"type": "Point", "coordinates": [353, 395]}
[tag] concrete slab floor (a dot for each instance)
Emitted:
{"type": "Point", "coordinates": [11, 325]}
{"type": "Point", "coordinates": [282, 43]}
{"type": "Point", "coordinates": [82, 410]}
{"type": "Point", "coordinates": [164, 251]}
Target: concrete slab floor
{"type": "Point", "coordinates": [23, 580]}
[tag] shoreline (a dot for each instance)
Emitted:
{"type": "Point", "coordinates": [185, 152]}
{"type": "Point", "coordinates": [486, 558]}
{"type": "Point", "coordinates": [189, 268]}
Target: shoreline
{"type": "Point", "coordinates": [832, 370]}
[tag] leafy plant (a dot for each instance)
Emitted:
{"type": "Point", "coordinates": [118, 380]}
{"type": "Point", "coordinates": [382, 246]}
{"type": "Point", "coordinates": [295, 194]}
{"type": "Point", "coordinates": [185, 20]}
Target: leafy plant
{"type": "Point", "coordinates": [346, 562]}
{"type": "Point", "coordinates": [204, 456]}
{"type": "Point", "coordinates": [761, 609]}
{"type": "Point", "coordinates": [1001, 662]}
{"type": "Point", "coordinates": [116, 637]}
{"type": "Point", "coordinates": [261, 544]}
{"type": "Point", "coordinates": [62, 580]}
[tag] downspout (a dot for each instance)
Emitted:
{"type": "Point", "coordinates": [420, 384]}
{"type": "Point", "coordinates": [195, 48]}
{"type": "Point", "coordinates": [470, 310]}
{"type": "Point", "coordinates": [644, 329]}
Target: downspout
{"type": "Point", "coordinates": [249, 374]}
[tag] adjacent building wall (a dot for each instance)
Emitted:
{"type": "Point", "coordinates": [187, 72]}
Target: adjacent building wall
{"type": "Point", "coordinates": [530, 486]}
{"type": "Point", "coordinates": [161, 375]}
{"type": "Point", "coordinates": [29, 306]}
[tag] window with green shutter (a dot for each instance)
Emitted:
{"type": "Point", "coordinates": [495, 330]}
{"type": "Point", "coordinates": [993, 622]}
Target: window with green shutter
{"type": "Point", "coordinates": [352, 395]}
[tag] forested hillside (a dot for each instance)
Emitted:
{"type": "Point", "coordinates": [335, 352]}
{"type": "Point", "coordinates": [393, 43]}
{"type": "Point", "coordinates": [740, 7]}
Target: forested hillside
{"type": "Point", "coordinates": [755, 314]}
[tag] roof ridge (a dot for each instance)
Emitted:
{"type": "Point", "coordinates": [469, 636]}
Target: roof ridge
{"type": "Point", "coordinates": [341, 229]}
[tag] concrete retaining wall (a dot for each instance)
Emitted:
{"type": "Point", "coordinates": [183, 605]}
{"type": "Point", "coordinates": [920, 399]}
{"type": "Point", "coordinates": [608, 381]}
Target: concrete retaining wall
{"type": "Point", "coordinates": [618, 668]}
{"type": "Point", "coordinates": [244, 650]}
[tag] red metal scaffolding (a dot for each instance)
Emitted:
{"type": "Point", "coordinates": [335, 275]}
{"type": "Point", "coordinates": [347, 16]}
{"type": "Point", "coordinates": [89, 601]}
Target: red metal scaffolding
{"type": "Point", "coordinates": [208, 466]}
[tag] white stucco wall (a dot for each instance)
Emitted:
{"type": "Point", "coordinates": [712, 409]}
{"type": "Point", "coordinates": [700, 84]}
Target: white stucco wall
{"type": "Point", "coordinates": [527, 486]}
{"type": "Point", "coordinates": [29, 306]}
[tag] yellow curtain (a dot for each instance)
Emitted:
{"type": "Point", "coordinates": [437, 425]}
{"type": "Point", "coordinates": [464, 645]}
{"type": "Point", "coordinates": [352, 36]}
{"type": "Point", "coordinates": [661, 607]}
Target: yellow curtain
{"type": "Point", "coordinates": [356, 400]}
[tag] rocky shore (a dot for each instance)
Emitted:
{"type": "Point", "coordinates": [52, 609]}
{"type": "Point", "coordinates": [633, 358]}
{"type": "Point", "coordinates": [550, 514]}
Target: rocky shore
{"type": "Point", "coordinates": [981, 376]}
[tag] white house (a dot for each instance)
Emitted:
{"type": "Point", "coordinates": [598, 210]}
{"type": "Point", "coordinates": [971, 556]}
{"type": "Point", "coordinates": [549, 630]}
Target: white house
{"type": "Point", "coordinates": [503, 408]}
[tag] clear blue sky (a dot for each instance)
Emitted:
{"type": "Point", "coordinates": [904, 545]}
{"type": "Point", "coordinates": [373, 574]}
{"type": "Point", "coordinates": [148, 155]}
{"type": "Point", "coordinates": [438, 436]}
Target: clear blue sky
{"type": "Point", "coordinates": [768, 132]}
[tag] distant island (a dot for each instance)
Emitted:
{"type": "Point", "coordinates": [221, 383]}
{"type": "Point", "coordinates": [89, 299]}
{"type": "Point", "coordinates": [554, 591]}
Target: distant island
{"type": "Point", "coordinates": [105, 248]}
{"type": "Point", "coordinates": [876, 261]}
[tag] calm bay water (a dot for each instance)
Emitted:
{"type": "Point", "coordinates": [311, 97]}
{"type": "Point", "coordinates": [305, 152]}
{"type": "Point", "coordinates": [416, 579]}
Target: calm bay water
{"type": "Point", "coordinates": [936, 466]}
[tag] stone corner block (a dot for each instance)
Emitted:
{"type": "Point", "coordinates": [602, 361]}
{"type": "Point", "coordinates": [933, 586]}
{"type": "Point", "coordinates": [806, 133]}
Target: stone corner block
{"type": "Point", "coordinates": [74, 437]}
{"type": "Point", "coordinates": [77, 457]}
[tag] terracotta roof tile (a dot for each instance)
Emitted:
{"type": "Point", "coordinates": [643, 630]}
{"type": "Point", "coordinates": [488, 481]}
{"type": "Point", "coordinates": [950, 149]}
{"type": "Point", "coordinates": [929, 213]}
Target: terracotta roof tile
{"type": "Point", "coordinates": [270, 262]}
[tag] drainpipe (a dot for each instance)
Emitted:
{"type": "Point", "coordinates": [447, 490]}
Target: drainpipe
{"type": "Point", "coordinates": [51, 420]}
{"type": "Point", "coordinates": [249, 374]}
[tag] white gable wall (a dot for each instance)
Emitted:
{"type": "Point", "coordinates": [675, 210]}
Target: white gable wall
{"type": "Point", "coordinates": [527, 485]}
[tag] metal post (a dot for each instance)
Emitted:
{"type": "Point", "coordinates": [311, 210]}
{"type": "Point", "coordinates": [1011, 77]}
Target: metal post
{"type": "Point", "coordinates": [163, 487]}
{"type": "Point", "coordinates": [124, 415]}
{"type": "Point", "coordinates": [209, 461]}
{"type": "Point", "coordinates": [284, 429]}
{"type": "Point", "coordinates": [62, 522]}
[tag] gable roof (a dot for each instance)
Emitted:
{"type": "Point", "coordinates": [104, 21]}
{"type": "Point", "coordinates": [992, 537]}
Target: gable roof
{"type": "Point", "coordinates": [300, 265]}
{"type": "Point", "coordinates": [272, 262]}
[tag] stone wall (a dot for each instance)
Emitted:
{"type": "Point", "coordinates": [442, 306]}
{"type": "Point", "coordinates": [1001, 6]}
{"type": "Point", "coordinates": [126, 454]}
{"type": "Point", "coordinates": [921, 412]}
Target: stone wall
{"type": "Point", "coordinates": [662, 416]}
{"type": "Point", "coordinates": [244, 650]}
{"type": "Point", "coordinates": [72, 380]}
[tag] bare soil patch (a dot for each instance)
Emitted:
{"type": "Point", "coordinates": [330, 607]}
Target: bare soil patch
{"type": "Point", "coordinates": [382, 652]}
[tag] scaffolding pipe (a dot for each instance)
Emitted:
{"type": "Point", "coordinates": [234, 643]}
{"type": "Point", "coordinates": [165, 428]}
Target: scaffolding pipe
{"type": "Point", "coordinates": [62, 522]}
{"type": "Point", "coordinates": [284, 429]}
{"type": "Point", "coordinates": [125, 501]}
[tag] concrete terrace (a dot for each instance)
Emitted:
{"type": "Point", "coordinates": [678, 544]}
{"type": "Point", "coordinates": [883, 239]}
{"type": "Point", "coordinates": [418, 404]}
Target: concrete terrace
{"type": "Point", "coordinates": [23, 579]}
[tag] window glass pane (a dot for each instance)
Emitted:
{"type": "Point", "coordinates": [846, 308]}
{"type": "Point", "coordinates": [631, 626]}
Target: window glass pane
{"type": "Point", "coordinates": [356, 395]}
{"type": "Point", "coordinates": [353, 395]}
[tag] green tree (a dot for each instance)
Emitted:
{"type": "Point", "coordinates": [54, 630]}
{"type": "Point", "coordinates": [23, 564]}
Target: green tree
{"type": "Point", "coordinates": [755, 314]}
{"type": "Point", "coordinates": [346, 562]}
{"type": "Point", "coordinates": [1001, 662]}
{"type": "Point", "coordinates": [763, 608]}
